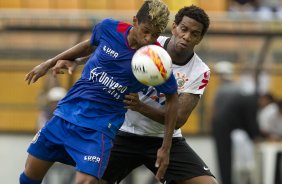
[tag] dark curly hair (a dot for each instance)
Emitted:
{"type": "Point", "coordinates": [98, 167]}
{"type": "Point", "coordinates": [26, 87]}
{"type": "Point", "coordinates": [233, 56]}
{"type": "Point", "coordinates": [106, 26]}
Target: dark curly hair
{"type": "Point", "coordinates": [195, 13]}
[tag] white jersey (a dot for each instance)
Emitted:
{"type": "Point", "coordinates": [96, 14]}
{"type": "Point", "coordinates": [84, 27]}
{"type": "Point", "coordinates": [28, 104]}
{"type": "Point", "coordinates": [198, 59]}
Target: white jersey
{"type": "Point", "coordinates": [191, 78]}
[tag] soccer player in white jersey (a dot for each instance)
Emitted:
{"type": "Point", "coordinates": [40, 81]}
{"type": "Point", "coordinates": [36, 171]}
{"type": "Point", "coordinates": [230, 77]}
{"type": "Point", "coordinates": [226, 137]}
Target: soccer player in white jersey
{"type": "Point", "coordinates": [141, 135]}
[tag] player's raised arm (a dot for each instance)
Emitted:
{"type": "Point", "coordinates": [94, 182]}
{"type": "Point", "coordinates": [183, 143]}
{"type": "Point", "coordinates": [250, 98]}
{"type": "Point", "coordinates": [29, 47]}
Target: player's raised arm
{"type": "Point", "coordinates": [83, 49]}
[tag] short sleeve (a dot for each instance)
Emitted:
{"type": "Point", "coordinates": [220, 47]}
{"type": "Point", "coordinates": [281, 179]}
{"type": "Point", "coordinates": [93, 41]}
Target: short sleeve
{"type": "Point", "coordinates": [199, 85]}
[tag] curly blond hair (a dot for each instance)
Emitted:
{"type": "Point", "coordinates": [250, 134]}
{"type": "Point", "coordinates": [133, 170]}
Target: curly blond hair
{"type": "Point", "coordinates": [154, 12]}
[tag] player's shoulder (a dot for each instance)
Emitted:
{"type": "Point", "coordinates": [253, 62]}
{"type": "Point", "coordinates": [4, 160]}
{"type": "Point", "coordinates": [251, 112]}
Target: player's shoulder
{"type": "Point", "coordinates": [199, 64]}
{"type": "Point", "coordinates": [192, 77]}
{"type": "Point", "coordinates": [195, 69]}
{"type": "Point", "coordinates": [109, 23]}
{"type": "Point", "coordinates": [201, 71]}
{"type": "Point", "coordinates": [112, 24]}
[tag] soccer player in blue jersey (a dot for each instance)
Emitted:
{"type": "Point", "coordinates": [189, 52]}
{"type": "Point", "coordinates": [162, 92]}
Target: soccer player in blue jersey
{"type": "Point", "coordinates": [87, 119]}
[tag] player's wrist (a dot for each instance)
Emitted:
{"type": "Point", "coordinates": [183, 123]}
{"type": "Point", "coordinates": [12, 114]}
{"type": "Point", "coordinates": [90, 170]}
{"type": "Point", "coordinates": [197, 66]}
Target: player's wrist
{"type": "Point", "coordinates": [50, 63]}
{"type": "Point", "coordinates": [166, 145]}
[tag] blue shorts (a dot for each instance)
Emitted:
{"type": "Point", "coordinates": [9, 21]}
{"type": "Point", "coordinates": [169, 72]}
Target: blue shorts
{"type": "Point", "coordinates": [86, 149]}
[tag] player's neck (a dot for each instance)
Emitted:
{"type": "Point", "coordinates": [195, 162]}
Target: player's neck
{"type": "Point", "coordinates": [179, 58]}
{"type": "Point", "coordinates": [130, 39]}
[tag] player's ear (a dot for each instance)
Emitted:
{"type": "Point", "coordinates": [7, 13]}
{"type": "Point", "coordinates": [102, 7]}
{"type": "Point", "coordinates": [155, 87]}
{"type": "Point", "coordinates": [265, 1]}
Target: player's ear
{"type": "Point", "coordinates": [135, 21]}
{"type": "Point", "coordinates": [173, 27]}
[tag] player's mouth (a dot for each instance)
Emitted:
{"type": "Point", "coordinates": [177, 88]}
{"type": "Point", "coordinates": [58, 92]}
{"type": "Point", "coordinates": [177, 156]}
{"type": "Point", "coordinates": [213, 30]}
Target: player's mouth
{"type": "Point", "coordinates": [183, 45]}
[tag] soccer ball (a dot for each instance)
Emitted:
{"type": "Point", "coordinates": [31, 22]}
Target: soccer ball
{"type": "Point", "coordinates": [151, 65]}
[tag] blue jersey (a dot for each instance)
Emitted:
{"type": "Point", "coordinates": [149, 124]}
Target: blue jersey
{"type": "Point", "coordinates": [96, 99]}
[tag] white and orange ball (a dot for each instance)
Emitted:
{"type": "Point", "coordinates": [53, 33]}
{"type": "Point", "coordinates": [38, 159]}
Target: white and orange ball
{"type": "Point", "coordinates": [151, 65]}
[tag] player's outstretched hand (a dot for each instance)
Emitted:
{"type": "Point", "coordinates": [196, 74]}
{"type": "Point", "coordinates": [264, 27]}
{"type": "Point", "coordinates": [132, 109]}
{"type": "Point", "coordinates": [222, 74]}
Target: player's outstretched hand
{"type": "Point", "coordinates": [37, 72]}
{"type": "Point", "coordinates": [162, 162]}
{"type": "Point", "coordinates": [64, 64]}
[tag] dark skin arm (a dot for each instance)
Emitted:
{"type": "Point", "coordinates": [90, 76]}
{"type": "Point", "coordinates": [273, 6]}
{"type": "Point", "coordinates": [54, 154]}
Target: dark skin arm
{"type": "Point", "coordinates": [186, 104]}
{"type": "Point", "coordinates": [81, 50]}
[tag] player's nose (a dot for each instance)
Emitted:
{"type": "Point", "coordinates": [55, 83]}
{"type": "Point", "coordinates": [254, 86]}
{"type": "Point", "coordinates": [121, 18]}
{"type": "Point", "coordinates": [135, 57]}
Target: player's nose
{"type": "Point", "coordinates": [187, 36]}
{"type": "Point", "coordinates": [149, 39]}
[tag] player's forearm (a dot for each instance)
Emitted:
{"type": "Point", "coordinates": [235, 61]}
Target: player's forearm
{"type": "Point", "coordinates": [170, 119]}
{"type": "Point", "coordinates": [83, 49]}
{"type": "Point", "coordinates": [155, 114]}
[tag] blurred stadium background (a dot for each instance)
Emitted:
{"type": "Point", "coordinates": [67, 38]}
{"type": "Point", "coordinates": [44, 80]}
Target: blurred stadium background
{"type": "Point", "coordinates": [31, 31]}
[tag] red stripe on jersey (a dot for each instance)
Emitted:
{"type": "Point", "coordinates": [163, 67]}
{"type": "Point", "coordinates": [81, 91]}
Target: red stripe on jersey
{"type": "Point", "coordinates": [158, 44]}
{"type": "Point", "coordinates": [122, 27]}
{"type": "Point", "coordinates": [205, 81]}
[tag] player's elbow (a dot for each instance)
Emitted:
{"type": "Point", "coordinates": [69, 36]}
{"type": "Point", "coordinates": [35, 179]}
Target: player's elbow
{"type": "Point", "coordinates": [180, 122]}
